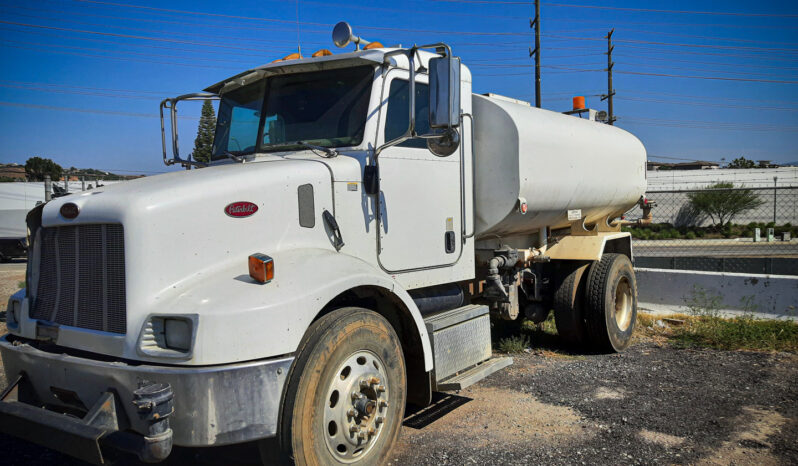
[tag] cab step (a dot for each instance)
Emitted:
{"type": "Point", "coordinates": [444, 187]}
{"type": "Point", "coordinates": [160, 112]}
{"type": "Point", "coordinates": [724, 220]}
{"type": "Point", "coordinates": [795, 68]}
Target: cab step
{"type": "Point", "coordinates": [475, 374]}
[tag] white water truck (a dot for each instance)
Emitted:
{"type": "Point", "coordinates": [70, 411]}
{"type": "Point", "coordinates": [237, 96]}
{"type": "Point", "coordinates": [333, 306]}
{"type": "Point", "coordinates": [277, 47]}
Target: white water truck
{"type": "Point", "coordinates": [363, 224]}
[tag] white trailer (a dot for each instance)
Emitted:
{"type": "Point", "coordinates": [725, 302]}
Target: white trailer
{"type": "Point", "coordinates": [362, 222]}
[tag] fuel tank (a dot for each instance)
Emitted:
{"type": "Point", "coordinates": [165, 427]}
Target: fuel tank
{"type": "Point", "coordinates": [554, 163]}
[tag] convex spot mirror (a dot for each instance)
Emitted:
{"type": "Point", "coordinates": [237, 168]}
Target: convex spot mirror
{"type": "Point", "coordinates": [444, 92]}
{"type": "Point", "coordinates": [445, 145]}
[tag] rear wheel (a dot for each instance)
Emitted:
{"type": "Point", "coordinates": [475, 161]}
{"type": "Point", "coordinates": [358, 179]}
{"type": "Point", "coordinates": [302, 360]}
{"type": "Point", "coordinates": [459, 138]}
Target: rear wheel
{"type": "Point", "coordinates": [345, 399]}
{"type": "Point", "coordinates": [611, 301]}
{"type": "Point", "coordinates": [569, 308]}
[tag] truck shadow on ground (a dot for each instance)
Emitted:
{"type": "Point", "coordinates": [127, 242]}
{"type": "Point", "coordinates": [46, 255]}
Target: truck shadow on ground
{"type": "Point", "coordinates": [442, 404]}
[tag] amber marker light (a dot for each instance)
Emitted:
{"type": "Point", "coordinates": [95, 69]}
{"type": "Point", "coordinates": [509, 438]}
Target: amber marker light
{"type": "Point", "coordinates": [261, 268]}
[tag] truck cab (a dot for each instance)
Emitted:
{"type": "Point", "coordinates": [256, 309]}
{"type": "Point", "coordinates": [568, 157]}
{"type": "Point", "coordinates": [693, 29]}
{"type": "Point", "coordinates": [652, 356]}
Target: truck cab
{"type": "Point", "coordinates": [328, 265]}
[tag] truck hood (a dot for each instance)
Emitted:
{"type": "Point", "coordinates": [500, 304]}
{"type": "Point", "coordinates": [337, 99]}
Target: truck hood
{"type": "Point", "coordinates": [177, 230]}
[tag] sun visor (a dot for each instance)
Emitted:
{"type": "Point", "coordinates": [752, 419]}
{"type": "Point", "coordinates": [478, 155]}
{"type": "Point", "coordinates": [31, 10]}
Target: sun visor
{"type": "Point", "coordinates": [366, 57]}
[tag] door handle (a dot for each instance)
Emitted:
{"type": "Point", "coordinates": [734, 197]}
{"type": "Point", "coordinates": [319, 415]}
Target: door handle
{"type": "Point", "coordinates": [329, 219]}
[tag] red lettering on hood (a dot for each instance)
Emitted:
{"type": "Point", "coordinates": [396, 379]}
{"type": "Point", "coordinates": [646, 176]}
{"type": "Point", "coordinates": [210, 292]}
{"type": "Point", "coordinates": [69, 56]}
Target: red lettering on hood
{"type": "Point", "coordinates": [240, 209]}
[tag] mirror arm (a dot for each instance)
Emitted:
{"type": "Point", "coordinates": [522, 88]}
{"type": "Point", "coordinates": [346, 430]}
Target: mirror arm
{"type": "Point", "coordinates": [171, 104]}
{"type": "Point", "coordinates": [411, 130]}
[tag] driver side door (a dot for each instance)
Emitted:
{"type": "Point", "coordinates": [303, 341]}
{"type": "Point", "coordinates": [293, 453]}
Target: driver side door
{"type": "Point", "coordinates": [420, 211]}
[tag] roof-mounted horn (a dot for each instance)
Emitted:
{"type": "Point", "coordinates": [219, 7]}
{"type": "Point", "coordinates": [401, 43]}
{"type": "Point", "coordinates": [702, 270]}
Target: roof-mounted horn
{"type": "Point", "coordinates": [342, 36]}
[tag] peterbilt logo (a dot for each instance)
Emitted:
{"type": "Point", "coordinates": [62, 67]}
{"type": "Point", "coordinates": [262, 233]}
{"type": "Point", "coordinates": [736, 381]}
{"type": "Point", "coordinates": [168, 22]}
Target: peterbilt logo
{"type": "Point", "coordinates": [240, 209]}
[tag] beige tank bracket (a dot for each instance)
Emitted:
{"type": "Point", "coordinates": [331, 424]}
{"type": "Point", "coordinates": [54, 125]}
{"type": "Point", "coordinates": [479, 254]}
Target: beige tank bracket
{"type": "Point", "coordinates": [578, 228]}
{"type": "Point", "coordinates": [605, 226]}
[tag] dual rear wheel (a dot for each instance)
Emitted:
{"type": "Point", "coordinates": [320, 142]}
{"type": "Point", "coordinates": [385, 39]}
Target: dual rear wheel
{"type": "Point", "coordinates": [595, 304]}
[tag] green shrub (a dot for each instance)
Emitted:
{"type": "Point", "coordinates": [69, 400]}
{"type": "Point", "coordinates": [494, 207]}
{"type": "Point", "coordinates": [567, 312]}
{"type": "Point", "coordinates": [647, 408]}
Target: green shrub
{"type": "Point", "coordinates": [690, 235]}
{"type": "Point", "coordinates": [514, 344]}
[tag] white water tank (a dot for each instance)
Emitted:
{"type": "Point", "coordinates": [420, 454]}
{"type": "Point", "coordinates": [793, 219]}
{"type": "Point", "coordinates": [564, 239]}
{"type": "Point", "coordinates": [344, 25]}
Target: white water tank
{"type": "Point", "coordinates": [554, 162]}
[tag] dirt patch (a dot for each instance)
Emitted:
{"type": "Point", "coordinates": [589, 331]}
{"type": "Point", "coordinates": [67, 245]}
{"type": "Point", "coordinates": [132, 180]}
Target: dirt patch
{"type": "Point", "coordinates": [751, 443]}
{"type": "Point", "coordinates": [662, 439]}
{"type": "Point", "coordinates": [10, 277]}
{"type": "Point", "coordinates": [605, 393]}
{"type": "Point", "coordinates": [500, 417]}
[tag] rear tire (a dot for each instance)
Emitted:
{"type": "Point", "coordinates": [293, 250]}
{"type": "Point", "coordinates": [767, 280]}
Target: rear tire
{"type": "Point", "coordinates": [569, 308]}
{"type": "Point", "coordinates": [611, 301]}
{"type": "Point", "coordinates": [346, 392]}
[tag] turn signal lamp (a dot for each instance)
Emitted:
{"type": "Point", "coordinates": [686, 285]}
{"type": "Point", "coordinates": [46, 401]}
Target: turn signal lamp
{"type": "Point", "coordinates": [373, 45]}
{"type": "Point", "coordinates": [321, 53]}
{"type": "Point", "coordinates": [261, 268]}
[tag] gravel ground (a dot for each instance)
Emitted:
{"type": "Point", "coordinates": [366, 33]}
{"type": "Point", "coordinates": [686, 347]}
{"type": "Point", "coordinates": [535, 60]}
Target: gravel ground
{"type": "Point", "coordinates": [652, 404]}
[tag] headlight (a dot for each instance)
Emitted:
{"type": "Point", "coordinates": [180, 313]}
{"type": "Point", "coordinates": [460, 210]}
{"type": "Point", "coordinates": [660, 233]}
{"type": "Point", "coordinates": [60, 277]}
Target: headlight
{"type": "Point", "coordinates": [14, 310]}
{"type": "Point", "coordinates": [168, 336]}
{"type": "Point", "coordinates": [177, 333]}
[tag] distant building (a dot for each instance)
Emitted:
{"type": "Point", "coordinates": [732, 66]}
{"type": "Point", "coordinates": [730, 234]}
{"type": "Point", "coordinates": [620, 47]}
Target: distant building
{"type": "Point", "coordinates": [697, 165]}
{"type": "Point", "coordinates": [766, 164]}
{"type": "Point", "coordinates": [13, 171]}
{"type": "Point", "coordinates": [658, 165]}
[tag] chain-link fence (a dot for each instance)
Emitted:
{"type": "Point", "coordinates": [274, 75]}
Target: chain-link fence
{"type": "Point", "coordinates": [716, 230]}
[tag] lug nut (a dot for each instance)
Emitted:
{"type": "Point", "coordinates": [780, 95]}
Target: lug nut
{"type": "Point", "coordinates": [351, 412]}
{"type": "Point", "coordinates": [364, 384]}
{"type": "Point", "coordinates": [379, 420]}
{"type": "Point", "coordinates": [356, 395]}
{"type": "Point", "coordinates": [361, 435]}
{"type": "Point", "coordinates": [372, 431]}
{"type": "Point", "coordinates": [383, 404]}
{"type": "Point", "coordinates": [353, 429]}
{"type": "Point", "coordinates": [374, 381]}
{"type": "Point", "coordinates": [380, 388]}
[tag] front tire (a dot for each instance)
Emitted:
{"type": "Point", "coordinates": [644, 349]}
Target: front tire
{"type": "Point", "coordinates": [346, 391]}
{"type": "Point", "coordinates": [611, 303]}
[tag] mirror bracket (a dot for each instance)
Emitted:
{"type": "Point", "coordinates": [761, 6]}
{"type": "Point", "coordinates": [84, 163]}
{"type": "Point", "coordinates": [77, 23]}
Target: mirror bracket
{"type": "Point", "coordinates": [171, 105]}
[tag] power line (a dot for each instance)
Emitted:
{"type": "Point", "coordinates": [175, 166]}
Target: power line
{"type": "Point", "coordinates": [653, 10]}
{"type": "Point", "coordinates": [488, 2]}
{"type": "Point", "coordinates": [706, 104]}
{"type": "Point", "coordinates": [676, 44]}
{"type": "Point", "coordinates": [106, 89]}
{"type": "Point", "coordinates": [85, 110]}
{"type": "Point", "coordinates": [143, 60]}
{"type": "Point", "coordinates": [254, 18]}
{"type": "Point", "coordinates": [718, 78]}
{"type": "Point", "coordinates": [127, 36]}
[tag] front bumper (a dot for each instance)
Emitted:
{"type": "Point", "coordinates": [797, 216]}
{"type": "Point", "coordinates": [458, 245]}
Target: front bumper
{"type": "Point", "coordinates": [213, 405]}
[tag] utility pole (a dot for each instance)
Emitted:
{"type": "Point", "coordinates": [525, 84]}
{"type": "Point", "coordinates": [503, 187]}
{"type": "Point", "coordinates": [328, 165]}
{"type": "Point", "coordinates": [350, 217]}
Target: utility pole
{"type": "Point", "coordinates": [610, 90]}
{"type": "Point", "coordinates": [535, 23]}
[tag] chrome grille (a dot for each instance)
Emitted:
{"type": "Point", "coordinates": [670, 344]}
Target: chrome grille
{"type": "Point", "coordinates": [82, 277]}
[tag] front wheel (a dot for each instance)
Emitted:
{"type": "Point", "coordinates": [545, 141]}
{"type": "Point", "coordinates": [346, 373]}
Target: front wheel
{"type": "Point", "coordinates": [611, 303]}
{"type": "Point", "coordinates": [346, 395]}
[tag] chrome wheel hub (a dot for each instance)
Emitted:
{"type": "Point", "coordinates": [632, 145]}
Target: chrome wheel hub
{"type": "Point", "coordinates": [623, 304]}
{"type": "Point", "coordinates": [356, 407]}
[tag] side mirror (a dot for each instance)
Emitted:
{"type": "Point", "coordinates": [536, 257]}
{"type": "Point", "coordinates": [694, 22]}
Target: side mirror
{"type": "Point", "coordinates": [444, 92]}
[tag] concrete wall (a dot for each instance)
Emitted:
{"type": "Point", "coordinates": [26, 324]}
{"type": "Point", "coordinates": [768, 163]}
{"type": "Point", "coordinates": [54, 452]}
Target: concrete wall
{"type": "Point", "coordinates": [773, 295]}
{"type": "Point", "coordinates": [664, 180]}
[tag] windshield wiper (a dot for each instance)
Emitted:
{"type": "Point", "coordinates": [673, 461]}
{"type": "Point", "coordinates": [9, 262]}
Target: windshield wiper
{"type": "Point", "coordinates": [330, 152]}
{"type": "Point", "coordinates": [237, 158]}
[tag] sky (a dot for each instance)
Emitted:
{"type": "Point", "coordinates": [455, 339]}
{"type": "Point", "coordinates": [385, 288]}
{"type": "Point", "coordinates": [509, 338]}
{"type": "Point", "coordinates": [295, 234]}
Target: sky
{"type": "Point", "coordinates": [694, 80]}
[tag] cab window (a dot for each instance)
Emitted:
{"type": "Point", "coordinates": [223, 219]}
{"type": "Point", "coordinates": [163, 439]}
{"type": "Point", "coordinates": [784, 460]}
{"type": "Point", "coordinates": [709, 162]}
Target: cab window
{"type": "Point", "coordinates": [396, 119]}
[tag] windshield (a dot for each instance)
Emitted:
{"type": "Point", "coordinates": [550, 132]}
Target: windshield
{"type": "Point", "coordinates": [324, 108]}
